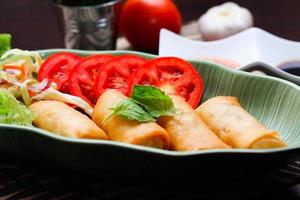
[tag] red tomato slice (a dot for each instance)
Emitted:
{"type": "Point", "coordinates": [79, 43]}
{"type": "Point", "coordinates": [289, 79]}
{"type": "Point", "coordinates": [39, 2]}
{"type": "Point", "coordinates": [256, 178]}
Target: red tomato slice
{"type": "Point", "coordinates": [172, 75]}
{"type": "Point", "coordinates": [115, 74]}
{"type": "Point", "coordinates": [83, 75]}
{"type": "Point", "coordinates": [57, 68]}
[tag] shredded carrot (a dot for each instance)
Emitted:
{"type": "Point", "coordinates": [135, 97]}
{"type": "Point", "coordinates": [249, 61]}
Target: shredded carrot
{"type": "Point", "coordinates": [21, 68]}
{"type": "Point", "coordinates": [39, 61]}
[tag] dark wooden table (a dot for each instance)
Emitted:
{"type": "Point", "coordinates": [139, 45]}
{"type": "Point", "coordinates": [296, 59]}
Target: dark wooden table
{"type": "Point", "coordinates": [35, 24]}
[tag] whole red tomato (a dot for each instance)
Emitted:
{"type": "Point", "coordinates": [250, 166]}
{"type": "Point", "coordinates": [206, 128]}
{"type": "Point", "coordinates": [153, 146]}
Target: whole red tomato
{"type": "Point", "coordinates": [141, 21]}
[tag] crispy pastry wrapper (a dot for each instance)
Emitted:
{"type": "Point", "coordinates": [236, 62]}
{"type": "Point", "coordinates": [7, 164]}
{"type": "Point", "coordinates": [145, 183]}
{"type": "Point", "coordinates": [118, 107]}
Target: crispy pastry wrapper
{"type": "Point", "coordinates": [187, 131]}
{"type": "Point", "coordinates": [61, 119]}
{"type": "Point", "coordinates": [235, 126]}
{"type": "Point", "coordinates": [124, 130]}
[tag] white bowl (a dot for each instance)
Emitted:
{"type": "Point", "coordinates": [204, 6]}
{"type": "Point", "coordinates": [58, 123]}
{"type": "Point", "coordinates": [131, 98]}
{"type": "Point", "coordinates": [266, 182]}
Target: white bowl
{"type": "Point", "coordinates": [246, 47]}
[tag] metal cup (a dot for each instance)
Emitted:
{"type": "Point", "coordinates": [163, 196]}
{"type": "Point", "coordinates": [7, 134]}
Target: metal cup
{"type": "Point", "coordinates": [91, 27]}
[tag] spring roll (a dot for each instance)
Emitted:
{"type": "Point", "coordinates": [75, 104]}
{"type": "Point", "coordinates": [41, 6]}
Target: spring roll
{"type": "Point", "coordinates": [63, 120]}
{"type": "Point", "coordinates": [187, 131]}
{"type": "Point", "coordinates": [235, 126]}
{"type": "Point", "coordinates": [124, 130]}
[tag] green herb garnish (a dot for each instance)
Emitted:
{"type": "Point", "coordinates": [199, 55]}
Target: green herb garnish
{"type": "Point", "coordinates": [130, 110]}
{"type": "Point", "coordinates": [155, 101]}
{"type": "Point", "coordinates": [146, 104]}
{"type": "Point", "coordinates": [5, 40]}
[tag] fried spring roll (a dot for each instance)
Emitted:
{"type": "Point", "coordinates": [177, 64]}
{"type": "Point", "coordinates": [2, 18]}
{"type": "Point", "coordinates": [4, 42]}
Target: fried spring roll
{"type": "Point", "coordinates": [63, 120]}
{"type": "Point", "coordinates": [124, 130]}
{"type": "Point", "coordinates": [187, 131]}
{"type": "Point", "coordinates": [235, 126]}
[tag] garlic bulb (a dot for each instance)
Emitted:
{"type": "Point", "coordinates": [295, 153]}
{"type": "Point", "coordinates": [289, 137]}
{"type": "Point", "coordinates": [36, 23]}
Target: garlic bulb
{"type": "Point", "coordinates": [224, 20]}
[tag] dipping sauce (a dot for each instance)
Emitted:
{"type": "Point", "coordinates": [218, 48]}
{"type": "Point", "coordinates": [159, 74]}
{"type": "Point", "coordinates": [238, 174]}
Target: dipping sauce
{"type": "Point", "coordinates": [292, 67]}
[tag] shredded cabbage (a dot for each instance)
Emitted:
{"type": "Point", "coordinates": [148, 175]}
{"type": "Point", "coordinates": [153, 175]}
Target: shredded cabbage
{"type": "Point", "coordinates": [24, 92]}
{"type": "Point", "coordinates": [52, 94]}
{"type": "Point", "coordinates": [16, 72]}
{"type": "Point", "coordinates": [31, 60]}
{"type": "Point", "coordinates": [12, 111]}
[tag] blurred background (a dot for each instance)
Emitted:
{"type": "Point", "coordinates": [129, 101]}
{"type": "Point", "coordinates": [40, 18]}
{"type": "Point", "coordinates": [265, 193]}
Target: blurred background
{"type": "Point", "coordinates": [35, 24]}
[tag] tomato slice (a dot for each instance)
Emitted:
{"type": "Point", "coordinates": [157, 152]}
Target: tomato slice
{"type": "Point", "coordinates": [116, 73]}
{"type": "Point", "coordinates": [57, 68]}
{"type": "Point", "coordinates": [172, 75]}
{"type": "Point", "coordinates": [83, 75]}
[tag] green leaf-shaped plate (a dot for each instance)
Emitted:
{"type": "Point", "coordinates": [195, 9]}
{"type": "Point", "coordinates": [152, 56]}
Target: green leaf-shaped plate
{"type": "Point", "coordinates": [276, 103]}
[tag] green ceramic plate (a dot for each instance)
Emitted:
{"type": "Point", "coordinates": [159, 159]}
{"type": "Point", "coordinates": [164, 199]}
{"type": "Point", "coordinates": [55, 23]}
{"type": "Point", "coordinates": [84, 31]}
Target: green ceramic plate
{"type": "Point", "coordinates": [276, 103]}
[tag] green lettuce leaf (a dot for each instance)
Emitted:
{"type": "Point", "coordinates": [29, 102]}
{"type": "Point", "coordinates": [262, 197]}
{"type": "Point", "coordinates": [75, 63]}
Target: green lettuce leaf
{"type": "Point", "coordinates": [5, 43]}
{"type": "Point", "coordinates": [12, 111]}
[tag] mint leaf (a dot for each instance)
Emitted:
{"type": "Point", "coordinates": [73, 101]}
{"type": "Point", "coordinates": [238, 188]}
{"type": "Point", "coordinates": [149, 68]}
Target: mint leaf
{"type": "Point", "coordinates": [155, 101]}
{"type": "Point", "coordinates": [129, 109]}
{"type": "Point", "coordinates": [4, 43]}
